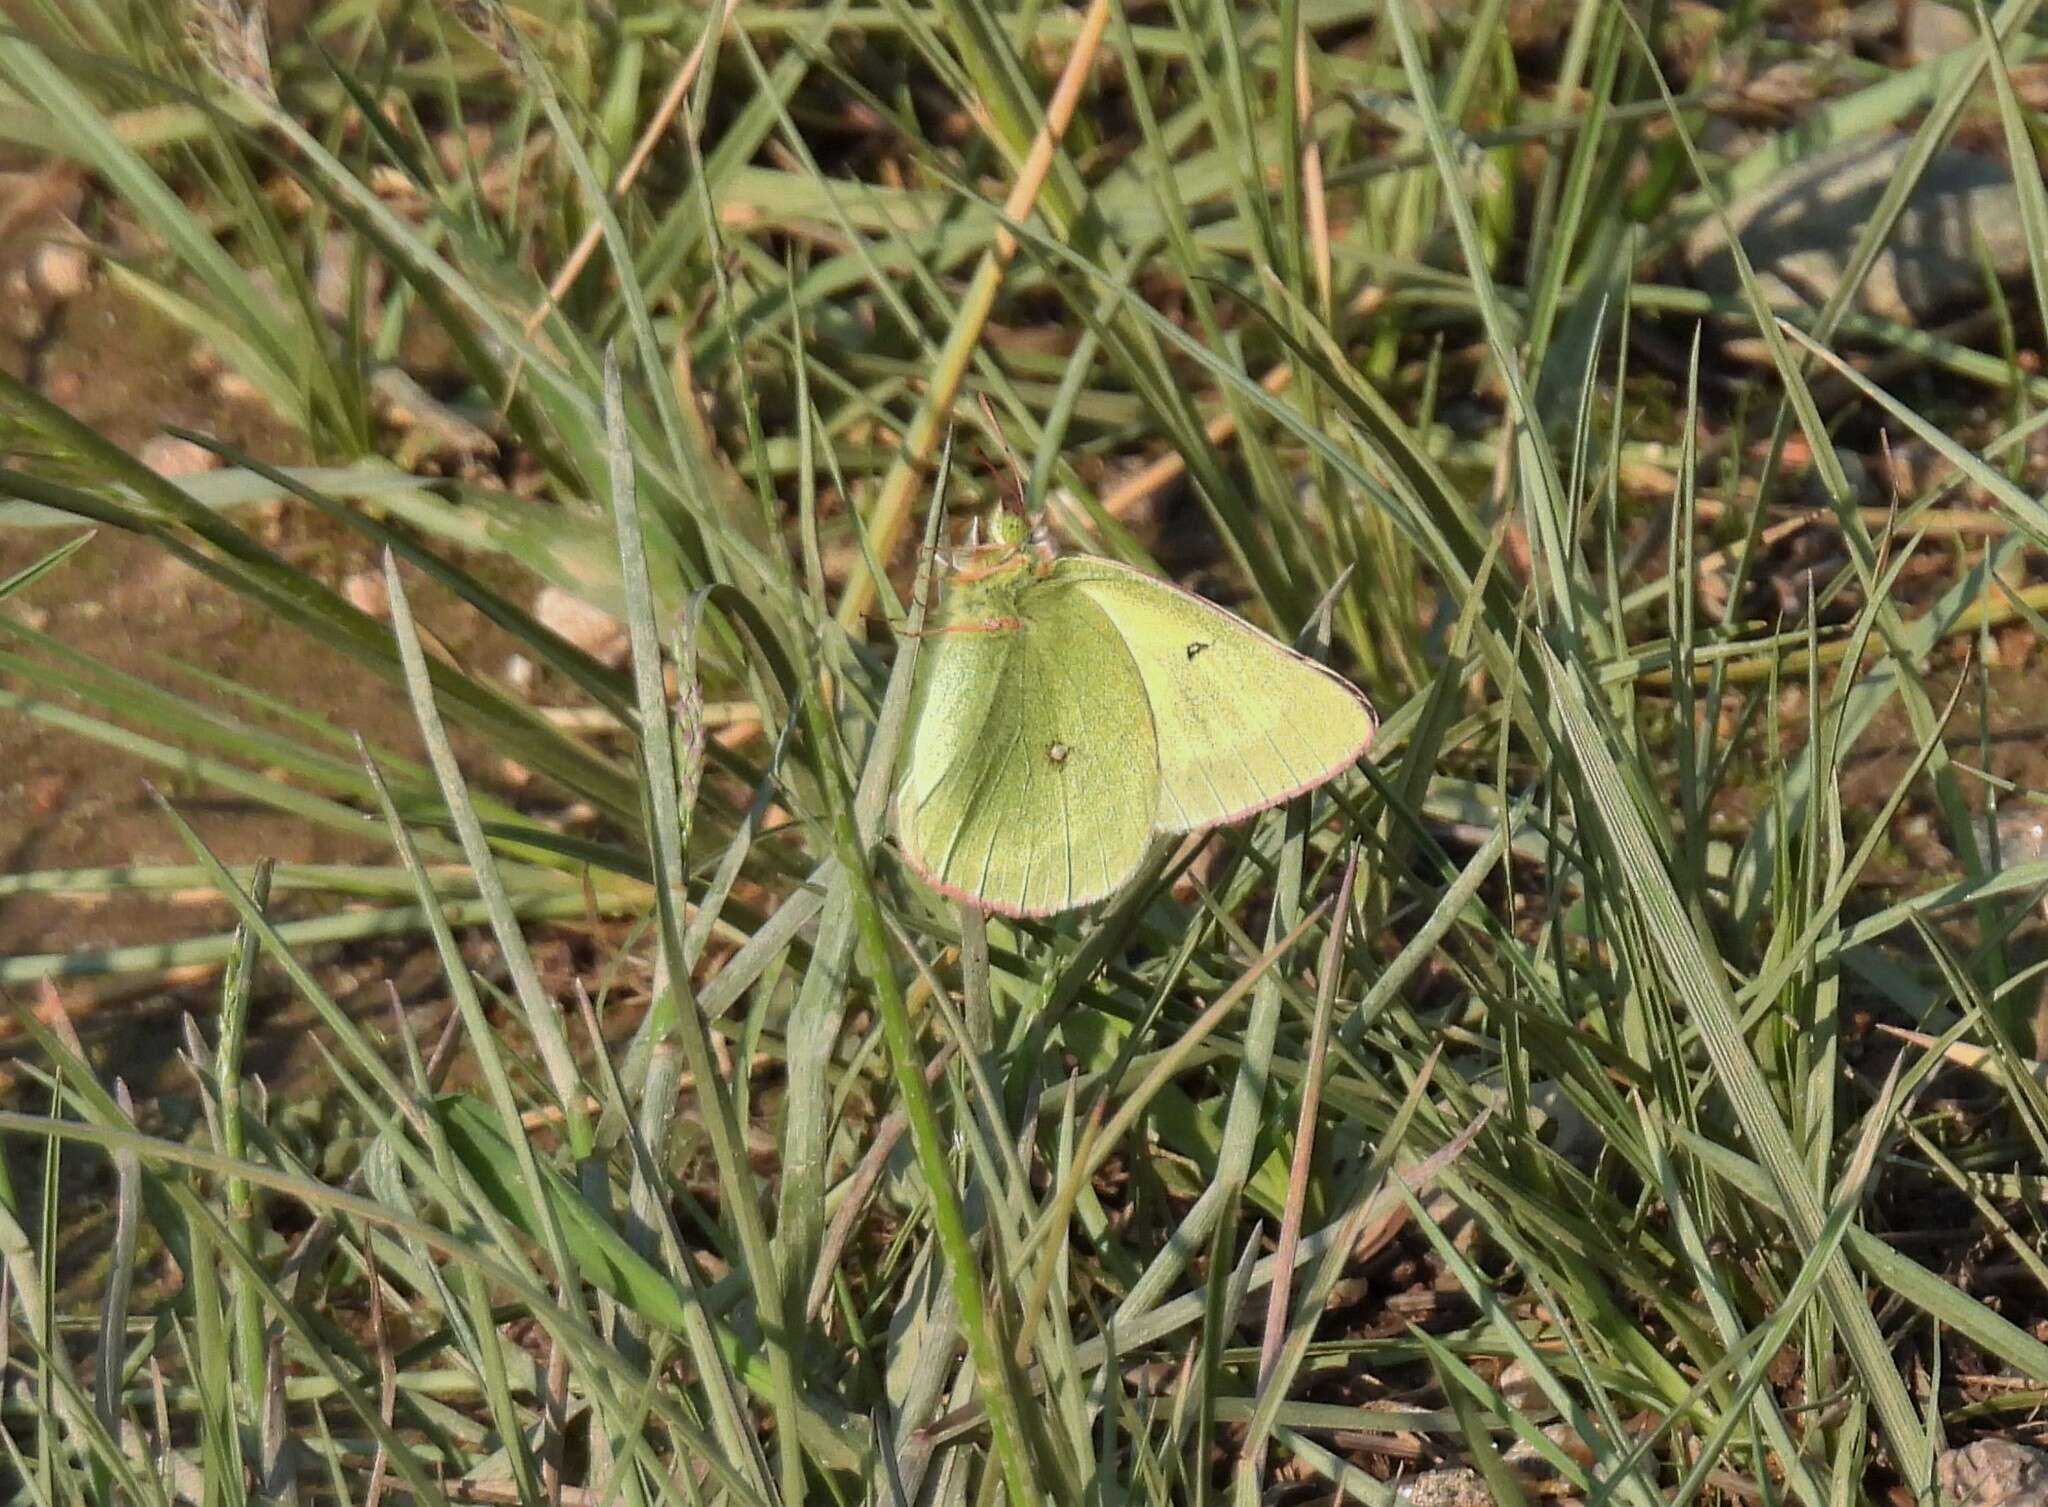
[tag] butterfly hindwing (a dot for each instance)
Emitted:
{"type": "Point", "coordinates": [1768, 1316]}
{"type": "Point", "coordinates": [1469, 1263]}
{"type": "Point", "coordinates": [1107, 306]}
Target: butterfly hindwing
{"type": "Point", "coordinates": [1032, 773]}
{"type": "Point", "coordinates": [1243, 722]}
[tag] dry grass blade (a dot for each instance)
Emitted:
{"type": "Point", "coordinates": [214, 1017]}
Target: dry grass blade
{"type": "Point", "coordinates": [854, 1191]}
{"type": "Point", "coordinates": [1297, 1188]}
{"type": "Point", "coordinates": [629, 173]}
{"type": "Point", "coordinates": [891, 510]}
{"type": "Point", "coordinates": [1284, 1252]}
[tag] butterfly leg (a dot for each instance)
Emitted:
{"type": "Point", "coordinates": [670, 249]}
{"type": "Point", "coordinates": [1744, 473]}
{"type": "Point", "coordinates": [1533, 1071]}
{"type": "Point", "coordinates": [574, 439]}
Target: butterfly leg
{"type": "Point", "coordinates": [981, 625]}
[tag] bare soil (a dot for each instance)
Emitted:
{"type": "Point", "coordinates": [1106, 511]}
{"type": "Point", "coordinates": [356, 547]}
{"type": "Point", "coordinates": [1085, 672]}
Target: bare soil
{"type": "Point", "coordinates": [67, 801]}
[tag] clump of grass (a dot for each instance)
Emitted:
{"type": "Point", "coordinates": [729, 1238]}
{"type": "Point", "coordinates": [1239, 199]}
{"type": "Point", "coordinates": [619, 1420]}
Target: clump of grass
{"type": "Point", "coordinates": [1499, 1106]}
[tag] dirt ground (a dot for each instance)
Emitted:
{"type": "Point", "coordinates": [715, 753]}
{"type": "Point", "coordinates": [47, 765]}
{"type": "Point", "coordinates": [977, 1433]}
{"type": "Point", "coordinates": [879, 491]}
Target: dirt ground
{"type": "Point", "coordinates": [70, 802]}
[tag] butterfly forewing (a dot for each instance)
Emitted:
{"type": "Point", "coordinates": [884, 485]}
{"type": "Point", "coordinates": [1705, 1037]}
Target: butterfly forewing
{"type": "Point", "coordinates": [1242, 721]}
{"type": "Point", "coordinates": [1032, 771]}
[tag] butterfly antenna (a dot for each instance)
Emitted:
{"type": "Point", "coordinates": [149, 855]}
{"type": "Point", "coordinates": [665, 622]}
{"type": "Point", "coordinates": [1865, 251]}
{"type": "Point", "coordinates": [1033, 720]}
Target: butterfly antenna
{"type": "Point", "coordinates": [1020, 479]}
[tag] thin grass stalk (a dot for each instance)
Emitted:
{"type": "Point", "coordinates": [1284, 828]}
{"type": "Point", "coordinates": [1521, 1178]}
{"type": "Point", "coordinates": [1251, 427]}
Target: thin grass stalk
{"type": "Point", "coordinates": [997, 1386]}
{"type": "Point", "coordinates": [1289, 1243]}
{"type": "Point", "coordinates": [998, 83]}
{"type": "Point", "coordinates": [1763, 1351]}
{"type": "Point", "coordinates": [1947, 105]}
{"type": "Point", "coordinates": [816, 1017]}
{"type": "Point", "coordinates": [685, 1019]}
{"type": "Point", "coordinates": [1679, 608]}
{"type": "Point", "coordinates": [1287, 919]}
{"type": "Point", "coordinates": [108, 1126]}
{"type": "Point", "coordinates": [2020, 147]}
{"type": "Point", "coordinates": [107, 1374]}
{"type": "Point", "coordinates": [109, 1474]}
{"type": "Point", "coordinates": [209, 1356]}
{"type": "Point", "coordinates": [469, 1008]}
{"type": "Point", "coordinates": [1693, 1244]}
{"type": "Point", "coordinates": [86, 136]}
{"type": "Point", "coordinates": [237, 992]}
{"type": "Point", "coordinates": [257, 573]}
{"type": "Point", "coordinates": [1542, 492]}
{"type": "Point", "coordinates": [542, 1020]}
{"type": "Point", "coordinates": [655, 1234]}
{"type": "Point", "coordinates": [1560, 196]}
{"type": "Point", "coordinates": [1223, 1291]}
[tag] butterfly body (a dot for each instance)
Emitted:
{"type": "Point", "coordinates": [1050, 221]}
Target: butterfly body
{"type": "Point", "coordinates": [1068, 709]}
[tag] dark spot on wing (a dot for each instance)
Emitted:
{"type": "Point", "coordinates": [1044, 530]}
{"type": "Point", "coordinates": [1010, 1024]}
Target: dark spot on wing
{"type": "Point", "coordinates": [1196, 648]}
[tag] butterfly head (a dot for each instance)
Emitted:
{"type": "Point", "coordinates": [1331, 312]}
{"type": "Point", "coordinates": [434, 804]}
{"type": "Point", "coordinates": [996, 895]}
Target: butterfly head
{"type": "Point", "coordinates": [1006, 529]}
{"type": "Point", "coordinates": [1022, 537]}
{"type": "Point", "coordinates": [1000, 542]}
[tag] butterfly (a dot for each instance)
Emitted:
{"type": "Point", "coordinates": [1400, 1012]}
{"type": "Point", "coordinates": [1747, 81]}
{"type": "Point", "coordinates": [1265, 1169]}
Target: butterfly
{"type": "Point", "coordinates": [1066, 709]}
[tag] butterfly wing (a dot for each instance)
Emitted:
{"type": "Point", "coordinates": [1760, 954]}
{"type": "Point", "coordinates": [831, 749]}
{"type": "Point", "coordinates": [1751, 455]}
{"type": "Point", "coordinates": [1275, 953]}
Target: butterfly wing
{"type": "Point", "coordinates": [1243, 721]}
{"type": "Point", "coordinates": [1032, 772]}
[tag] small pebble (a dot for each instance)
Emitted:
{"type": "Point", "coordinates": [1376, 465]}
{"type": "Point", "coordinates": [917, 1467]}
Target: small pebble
{"type": "Point", "coordinates": [1929, 30]}
{"type": "Point", "coordinates": [174, 578]}
{"type": "Point", "coordinates": [1450, 1486]}
{"type": "Point", "coordinates": [21, 312]}
{"type": "Point", "coordinates": [367, 592]}
{"type": "Point", "coordinates": [233, 387]}
{"type": "Point", "coordinates": [168, 455]}
{"type": "Point", "coordinates": [291, 197]}
{"type": "Point", "coordinates": [458, 151]}
{"type": "Point", "coordinates": [2022, 834]}
{"type": "Point", "coordinates": [1918, 840]}
{"type": "Point", "coordinates": [1785, 86]}
{"type": "Point", "coordinates": [1518, 1388]}
{"type": "Point", "coordinates": [64, 388]}
{"type": "Point", "coordinates": [519, 673]}
{"type": "Point", "coordinates": [334, 277]}
{"type": "Point", "coordinates": [60, 271]}
{"type": "Point", "coordinates": [591, 629]}
{"type": "Point", "coordinates": [1994, 1473]}
{"type": "Point", "coordinates": [2030, 83]}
